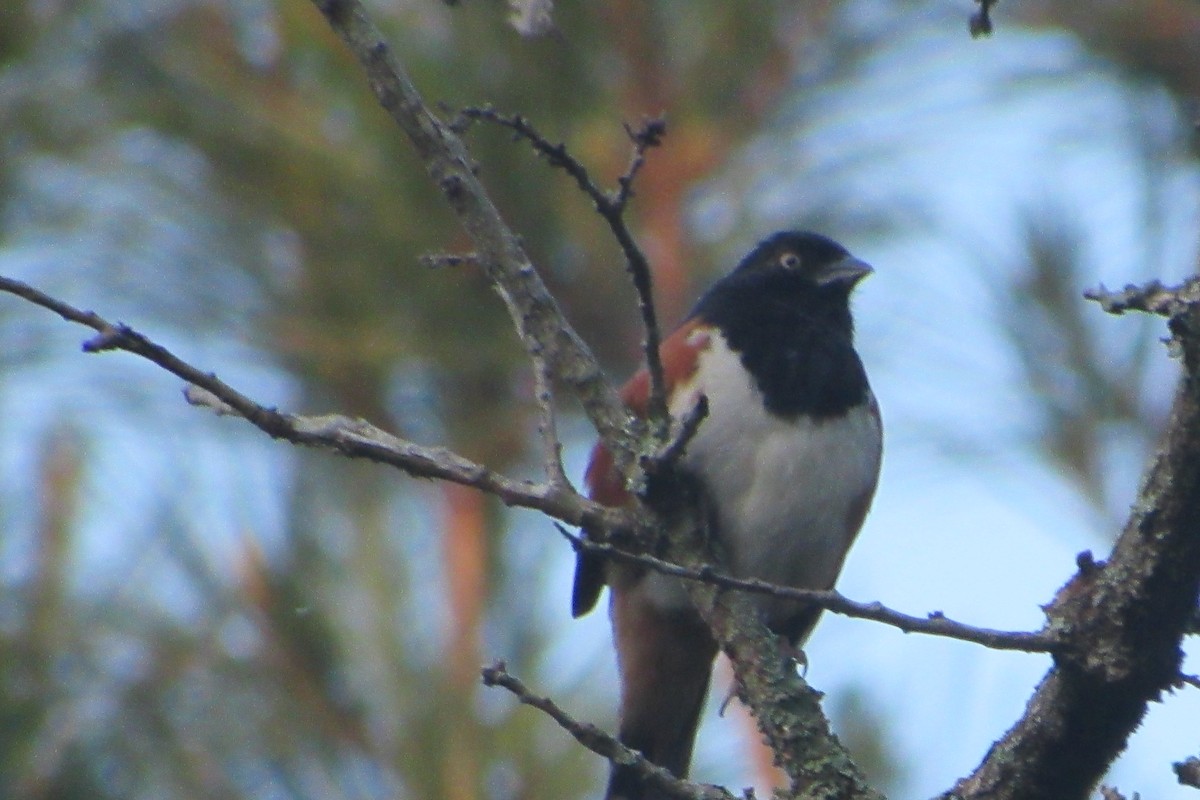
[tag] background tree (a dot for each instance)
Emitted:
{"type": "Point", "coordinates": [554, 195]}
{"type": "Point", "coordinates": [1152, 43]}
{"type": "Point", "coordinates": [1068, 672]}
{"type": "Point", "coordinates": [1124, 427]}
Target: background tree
{"type": "Point", "coordinates": [218, 173]}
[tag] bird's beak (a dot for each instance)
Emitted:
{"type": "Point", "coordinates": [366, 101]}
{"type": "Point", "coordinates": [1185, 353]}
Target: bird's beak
{"type": "Point", "coordinates": [848, 270]}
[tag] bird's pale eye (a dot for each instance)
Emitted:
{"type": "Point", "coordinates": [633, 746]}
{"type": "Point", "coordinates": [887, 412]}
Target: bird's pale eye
{"type": "Point", "coordinates": [789, 261]}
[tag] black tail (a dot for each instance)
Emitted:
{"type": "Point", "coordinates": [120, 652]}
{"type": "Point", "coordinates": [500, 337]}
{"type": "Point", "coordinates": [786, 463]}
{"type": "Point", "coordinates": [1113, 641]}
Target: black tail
{"type": "Point", "coordinates": [589, 581]}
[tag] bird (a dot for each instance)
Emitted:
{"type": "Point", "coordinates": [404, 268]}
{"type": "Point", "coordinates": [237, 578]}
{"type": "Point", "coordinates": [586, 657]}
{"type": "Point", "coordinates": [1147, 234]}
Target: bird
{"type": "Point", "coordinates": [788, 458]}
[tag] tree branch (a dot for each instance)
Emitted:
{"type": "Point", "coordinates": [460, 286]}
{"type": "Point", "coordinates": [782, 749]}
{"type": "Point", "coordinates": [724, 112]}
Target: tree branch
{"type": "Point", "coordinates": [1120, 623]}
{"type": "Point", "coordinates": [610, 206]}
{"type": "Point", "coordinates": [602, 743]}
{"type": "Point", "coordinates": [935, 624]}
{"type": "Point", "coordinates": [1151, 298]}
{"type": "Point", "coordinates": [354, 438]}
{"type": "Point", "coordinates": [544, 331]}
{"type": "Point", "coordinates": [786, 709]}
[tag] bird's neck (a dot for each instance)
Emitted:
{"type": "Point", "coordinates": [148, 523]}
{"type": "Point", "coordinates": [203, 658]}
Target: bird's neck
{"type": "Point", "coordinates": [799, 351]}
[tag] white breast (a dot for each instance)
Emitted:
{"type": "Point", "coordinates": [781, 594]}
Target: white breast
{"type": "Point", "coordinates": [786, 490]}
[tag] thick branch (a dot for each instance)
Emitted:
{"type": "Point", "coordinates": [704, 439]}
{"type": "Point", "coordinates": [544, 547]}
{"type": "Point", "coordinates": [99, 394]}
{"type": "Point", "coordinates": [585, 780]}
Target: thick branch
{"type": "Point", "coordinates": [1120, 623]}
{"type": "Point", "coordinates": [786, 709]}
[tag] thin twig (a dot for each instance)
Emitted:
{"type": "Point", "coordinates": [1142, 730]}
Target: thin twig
{"type": "Point", "coordinates": [1190, 680]}
{"type": "Point", "coordinates": [673, 449]}
{"type": "Point", "coordinates": [649, 135]}
{"type": "Point", "coordinates": [611, 206]}
{"type": "Point", "coordinates": [935, 624]}
{"type": "Point", "coordinates": [555, 154]}
{"type": "Point", "coordinates": [602, 743]}
{"type": "Point", "coordinates": [543, 389]}
{"type": "Point", "coordinates": [501, 255]}
{"type": "Point", "coordinates": [980, 23]}
{"type": "Point", "coordinates": [449, 260]}
{"type": "Point", "coordinates": [354, 438]}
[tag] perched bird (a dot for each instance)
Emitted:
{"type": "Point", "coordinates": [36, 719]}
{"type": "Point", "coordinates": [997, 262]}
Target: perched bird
{"type": "Point", "coordinates": [788, 457]}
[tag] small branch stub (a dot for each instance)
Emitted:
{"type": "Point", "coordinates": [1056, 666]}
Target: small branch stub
{"type": "Point", "coordinates": [1152, 298]}
{"type": "Point", "coordinates": [1188, 772]}
{"type": "Point", "coordinates": [980, 23]}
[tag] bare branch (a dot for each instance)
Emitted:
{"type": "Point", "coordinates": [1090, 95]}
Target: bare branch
{"type": "Point", "coordinates": [668, 455]}
{"type": "Point", "coordinates": [535, 313]}
{"type": "Point", "coordinates": [354, 438]}
{"type": "Point", "coordinates": [786, 709]}
{"type": "Point", "coordinates": [449, 260]}
{"type": "Point", "coordinates": [612, 208]}
{"type": "Point", "coordinates": [935, 624]}
{"type": "Point", "coordinates": [556, 155]}
{"type": "Point", "coordinates": [602, 743]}
{"type": "Point", "coordinates": [543, 389]}
{"type": "Point", "coordinates": [649, 135]}
{"type": "Point", "coordinates": [1152, 298]}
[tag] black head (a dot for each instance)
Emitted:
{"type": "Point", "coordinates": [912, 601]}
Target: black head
{"type": "Point", "coordinates": [801, 271]}
{"type": "Point", "coordinates": [785, 310]}
{"type": "Point", "coordinates": [801, 257]}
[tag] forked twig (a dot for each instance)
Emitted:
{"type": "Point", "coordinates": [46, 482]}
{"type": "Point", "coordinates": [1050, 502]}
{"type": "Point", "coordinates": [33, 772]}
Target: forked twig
{"type": "Point", "coordinates": [610, 206]}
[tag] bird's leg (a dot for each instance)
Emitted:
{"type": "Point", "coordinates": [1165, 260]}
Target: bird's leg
{"type": "Point", "coordinates": [791, 651]}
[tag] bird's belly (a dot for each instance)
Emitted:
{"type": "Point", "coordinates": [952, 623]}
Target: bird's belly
{"type": "Point", "coordinates": [788, 496]}
{"type": "Point", "coordinates": [789, 493]}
